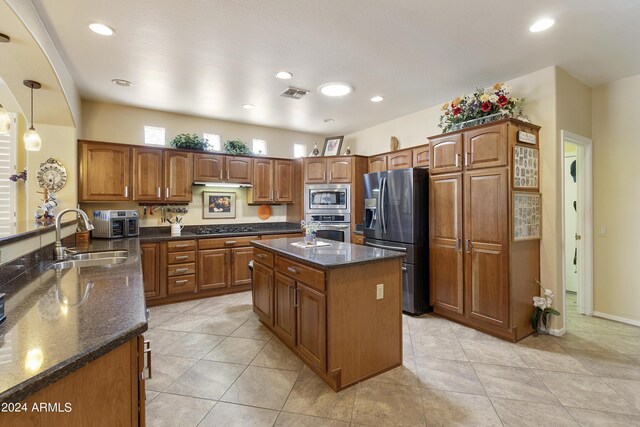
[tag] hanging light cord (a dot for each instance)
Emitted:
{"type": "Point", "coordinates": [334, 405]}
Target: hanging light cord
{"type": "Point", "coordinates": [31, 107]}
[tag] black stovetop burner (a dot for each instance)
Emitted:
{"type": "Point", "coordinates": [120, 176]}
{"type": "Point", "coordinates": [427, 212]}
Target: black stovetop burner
{"type": "Point", "coordinates": [224, 229]}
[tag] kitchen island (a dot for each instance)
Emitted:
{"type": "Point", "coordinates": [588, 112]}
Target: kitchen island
{"type": "Point", "coordinates": [338, 307]}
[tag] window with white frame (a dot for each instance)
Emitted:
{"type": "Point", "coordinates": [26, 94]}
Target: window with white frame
{"type": "Point", "coordinates": [214, 142]}
{"type": "Point", "coordinates": [259, 146]}
{"type": "Point", "coordinates": [299, 150]}
{"type": "Point", "coordinates": [154, 135]}
{"type": "Point", "coordinates": [8, 188]}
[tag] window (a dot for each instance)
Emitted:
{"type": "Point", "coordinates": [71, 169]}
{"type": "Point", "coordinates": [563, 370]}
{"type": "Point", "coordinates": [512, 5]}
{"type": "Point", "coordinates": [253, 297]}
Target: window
{"type": "Point", "coordinates": [299, 150]}
{"type": "Point", "coordinates": [259, 146]}
{"type": "Point", "coordinates": [214, 143]}
{"type": "Point", "coordinates": [153, 135]}
{"type": "Point", "coordinates": [7, 187]}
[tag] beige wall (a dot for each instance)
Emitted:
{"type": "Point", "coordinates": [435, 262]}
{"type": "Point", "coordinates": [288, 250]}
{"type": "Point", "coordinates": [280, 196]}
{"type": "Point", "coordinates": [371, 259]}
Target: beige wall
{"type": "Point", "coordinates": [123, 124]}
{"type": "Point", "coordinates": [616, 198]}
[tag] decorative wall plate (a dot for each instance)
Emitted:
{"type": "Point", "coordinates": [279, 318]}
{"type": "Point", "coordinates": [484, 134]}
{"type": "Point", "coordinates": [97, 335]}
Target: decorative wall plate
{"type": "Point", "coordinates": [264, 212]}
{"type": "Point", "coordinates": [51, 175]}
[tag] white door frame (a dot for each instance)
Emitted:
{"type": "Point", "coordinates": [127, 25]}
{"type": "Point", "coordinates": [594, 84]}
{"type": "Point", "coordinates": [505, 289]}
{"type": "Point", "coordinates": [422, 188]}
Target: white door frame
{"type": "Point", "coordinates": [584, 180]}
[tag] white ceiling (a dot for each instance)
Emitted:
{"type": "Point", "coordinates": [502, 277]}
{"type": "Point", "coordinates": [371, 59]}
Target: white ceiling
{"type": "Point", "coordinates": [209, 57]}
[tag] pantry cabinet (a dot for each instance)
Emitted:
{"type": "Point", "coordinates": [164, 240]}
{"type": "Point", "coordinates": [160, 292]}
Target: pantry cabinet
{"type": "Point", "coordinates": [105, 173]}
{"type": "Point", "coordinates": [480, 275]}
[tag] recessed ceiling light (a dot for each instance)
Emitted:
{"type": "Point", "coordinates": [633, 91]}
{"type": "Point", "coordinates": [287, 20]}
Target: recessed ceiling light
{"type": "Point", "coordinates": [122, 82]}
{"type": "Point", "coordinates": [284, 75]}
{"type": "Point", "coordinates": [248, 106]}
{"type": "Point", "coordinates": [376, 98]}
{"type": "Point", "coordinates": [335, 89]}
{"type": "Point", "coordinates": [103, 30]}
{"type": "Point", "coordinates": [541, 25]}
{"type": "Point", "coordinates": [328, 120]}
{"type": "Point", "coordinates": [4, 38]}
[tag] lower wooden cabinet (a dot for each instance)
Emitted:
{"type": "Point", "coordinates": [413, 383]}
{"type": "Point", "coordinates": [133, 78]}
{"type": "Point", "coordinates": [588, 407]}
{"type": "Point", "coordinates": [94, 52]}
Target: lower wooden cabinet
{"type": "Point", "coordinates": [263, 292]}
{"type": "Point", "coordinates": [150, 258]}
{"type": "Point", "coordinates": [285, 309]}
{"type": "Point", "coordinates": [214, 271]}
{"type": "Point", "coordinates": [311, 325]}
{"type": "Point", "coordinates": [240, 273]}
{"type": "Point", "coordinates": [107, 391]}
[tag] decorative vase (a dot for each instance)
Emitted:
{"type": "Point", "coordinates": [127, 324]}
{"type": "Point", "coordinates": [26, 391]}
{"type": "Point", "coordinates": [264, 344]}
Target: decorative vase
{"type": "Point", "coordinates": [543, 323]}
{"type": "Point", "coordinates": [315, 151]}
{"type": "Point", "coordinates": [394, 143]}
{"type": "Point", "coordinates": [309, 238]}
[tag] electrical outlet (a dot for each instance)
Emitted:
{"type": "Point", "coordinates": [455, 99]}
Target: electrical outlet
{"type": "Point", "coordinates": [380, 291]}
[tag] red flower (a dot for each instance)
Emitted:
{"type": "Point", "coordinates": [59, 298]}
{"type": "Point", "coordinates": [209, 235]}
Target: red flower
{"type": "Point", "coordinates": [503, 100]}
{"type": "Point", "coordinates": [457, 111]}
{"type": "Point", "coordinates": [486, 106]}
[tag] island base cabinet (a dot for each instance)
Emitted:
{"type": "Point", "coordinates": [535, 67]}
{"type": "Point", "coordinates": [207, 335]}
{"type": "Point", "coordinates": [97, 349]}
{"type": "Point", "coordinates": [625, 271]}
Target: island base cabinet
{"type": "Point", "coordinates": [263, 293]}
{"type": "Point", "coordinates": [311, 327]}
{"type": "Point", "coordinates": [285, 319]}
{"type": "Point", "coordinates": [108, 391]}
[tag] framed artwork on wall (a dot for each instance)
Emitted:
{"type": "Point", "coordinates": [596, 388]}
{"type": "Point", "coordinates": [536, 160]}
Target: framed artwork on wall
{"type": "Point", "coordinates": [218, 205]}
{"type": "Point", "coordinates": [527, 216]}
{"type": "Point", "coordinates": [525, 167]}
{"type": "Point", "coordinates": [332, 146]}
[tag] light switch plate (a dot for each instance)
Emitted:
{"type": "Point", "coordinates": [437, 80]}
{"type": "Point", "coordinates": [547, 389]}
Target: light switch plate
{"type": "Point", "coordinates": [603, 231]}
{"type": "Point", "coordinates": [380, 291]}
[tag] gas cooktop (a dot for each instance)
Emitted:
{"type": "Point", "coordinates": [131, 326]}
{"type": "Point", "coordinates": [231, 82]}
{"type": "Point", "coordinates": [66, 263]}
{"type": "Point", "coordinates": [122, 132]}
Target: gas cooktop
{"type": "Point", "coordinates": [224, 229]}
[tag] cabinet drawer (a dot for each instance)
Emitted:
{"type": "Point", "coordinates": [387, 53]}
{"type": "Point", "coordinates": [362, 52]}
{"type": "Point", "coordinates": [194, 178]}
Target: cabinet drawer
{"type": "Point", "coordinates": [181, 269]}
{"type": "Point", "coordinates": [181, 284]}
{"type": "Point", "coordinates": [230, 242]}
{"type": "Point", "coordinates": [181, 245]}
{"type": "Point", "coordinates": [262, 256]}
{"type": "Point", "coordinates": [309, 276]}
{"type": "Point", "coordinates": [280, 236]}
{"type": "Point", "coordinates": [181, 257]}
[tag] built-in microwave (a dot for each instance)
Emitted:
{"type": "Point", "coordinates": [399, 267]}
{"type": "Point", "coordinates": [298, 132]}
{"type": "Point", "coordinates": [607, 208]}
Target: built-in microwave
{"type": "Point", "coordinates": [327, 198]}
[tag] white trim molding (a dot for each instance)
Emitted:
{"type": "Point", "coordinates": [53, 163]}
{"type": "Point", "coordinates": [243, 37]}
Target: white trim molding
{"type": "Point", "coordinates": [617, 318]}
{"type": "Point", "coordinates": [558, 332]}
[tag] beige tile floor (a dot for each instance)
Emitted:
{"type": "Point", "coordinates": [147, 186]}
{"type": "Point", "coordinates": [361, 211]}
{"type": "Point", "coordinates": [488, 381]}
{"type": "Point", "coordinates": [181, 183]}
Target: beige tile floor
{"type": "Point", "coordinates": [214, 364]}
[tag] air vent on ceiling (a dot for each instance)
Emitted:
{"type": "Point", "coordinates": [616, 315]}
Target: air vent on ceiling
{"type": "Point", "coordinates": [294, 93]}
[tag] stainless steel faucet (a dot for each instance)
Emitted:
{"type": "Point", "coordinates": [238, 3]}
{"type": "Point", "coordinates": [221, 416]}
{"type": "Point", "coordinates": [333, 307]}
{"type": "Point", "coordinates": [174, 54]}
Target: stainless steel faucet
{"type": "Point", "coordinates": [60, 252]}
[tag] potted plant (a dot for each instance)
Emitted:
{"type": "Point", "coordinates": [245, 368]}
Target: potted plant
{"type": "Point", "coordinates": [542, 311]}
{"type": "Point", "coordinates": [237, 148]}
{"type": "Point", "coordinates": [187, 141]}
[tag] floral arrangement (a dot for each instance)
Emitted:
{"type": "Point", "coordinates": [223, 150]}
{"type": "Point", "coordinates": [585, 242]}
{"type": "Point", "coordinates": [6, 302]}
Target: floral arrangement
{"type": "Point", "coordinates": [483, 102]}
{"type": "Point", "coordinates": [543, 308]}
{"type": "Point", "coordinates": [237, 148]}
{"type": "Point", "coordinates": [310, 227]}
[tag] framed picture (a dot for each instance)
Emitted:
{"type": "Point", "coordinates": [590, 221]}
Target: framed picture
{"type": "Point", "coordinates": [525, 167]}
{"type": "Point", "coordinates": [527, 220]}
{"type": "Point", "coordinates": [332, 146]}
{"type": "Point", "coordinates": [218, 205]}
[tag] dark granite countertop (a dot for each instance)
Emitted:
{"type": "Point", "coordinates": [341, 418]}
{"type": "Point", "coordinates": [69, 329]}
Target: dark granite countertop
{"type": "Point", "coordinates": [157, 234]}
{"type": "Point", "coordinates": [56, 323]}
{"type": "Point", "coordinates": [336, 255]}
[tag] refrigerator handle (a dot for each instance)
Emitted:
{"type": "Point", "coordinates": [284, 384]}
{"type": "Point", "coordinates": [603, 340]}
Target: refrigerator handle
{"type": "Point", "coordinates": [382, 191]}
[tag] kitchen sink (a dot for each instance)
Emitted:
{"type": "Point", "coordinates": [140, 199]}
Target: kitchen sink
{"type": "Point", "coordinates": [91, 259]}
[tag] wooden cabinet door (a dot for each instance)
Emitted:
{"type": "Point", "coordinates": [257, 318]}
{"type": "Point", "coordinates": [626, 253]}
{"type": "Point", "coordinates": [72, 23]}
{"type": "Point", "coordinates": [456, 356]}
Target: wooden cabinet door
{"type": "Point", "coordinates": [285, 311]}
{"type": "Point", "coordinates": [315, 170]}
{"type": "Point", "coordinates": [239, 169]}
{"type": "Point", "coordinates": [446, 154]}
{"type": "Point", "coordinates": [486, 147]}
{"type": "Point", "coordinates": [213, 268]}
{"type": "Point", "coordinates": [283, 178]}
{"type": "Point", "coordinates": [263, 292]}
{"type": "Point", "coordinates": [147, 174]}
{"type": "Point", "coordinates": [178, 177]}
{"type": "Point", "coordinates": [401, 159]}
{"type": "Point", "coordinates": [486, 233]}
{"type": "Point", "coordinates": [240, 273]}
{"type": "Point", "coordinates": [311, 327]}
{"type": "Point", "coordinates": [421, 157]}
{"type": "Point", "coordinates": [445, 243]}
{"type": "Point", "coordinates": [378, 163]}
{"type": "Point", "coordinates": [208, 167]}
{"type": "Point", "coordinates": [104, 172]}
{"type": "Point", "coordinates": [150, 258]}
{"type": "Point", "coordinates": [262, 180]}
{"type": "Point", "coordinates": [339, 170]}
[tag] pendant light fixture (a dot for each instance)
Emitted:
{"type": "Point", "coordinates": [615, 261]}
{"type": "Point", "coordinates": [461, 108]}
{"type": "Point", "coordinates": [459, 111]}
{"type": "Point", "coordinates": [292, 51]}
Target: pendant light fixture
{"type": "Point", "coordinates": [32, 141]}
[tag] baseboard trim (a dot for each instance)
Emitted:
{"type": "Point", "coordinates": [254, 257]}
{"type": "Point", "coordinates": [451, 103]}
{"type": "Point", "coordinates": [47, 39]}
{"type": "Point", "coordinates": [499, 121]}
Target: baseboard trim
{"type": "Point", "coordinates": [558, 332]}
{"type": "Point", "coordinates": [617, 318]}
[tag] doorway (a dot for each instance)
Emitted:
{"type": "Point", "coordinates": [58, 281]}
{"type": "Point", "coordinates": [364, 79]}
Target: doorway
{"type": "Point", "coordinates": [577, 224]}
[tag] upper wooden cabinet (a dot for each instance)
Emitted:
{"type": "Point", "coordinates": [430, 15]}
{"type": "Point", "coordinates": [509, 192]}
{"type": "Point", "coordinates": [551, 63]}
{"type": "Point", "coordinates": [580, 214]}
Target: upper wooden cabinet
{"type": "Point", "coordinates": [378, 163]}
{"type": "Point", "coordinates": [239, 169]}
{"type": "Point", "coordinates": [421, 156]}
{"type": "Point", "coordinates": [400, 159]}
{"type": "Point", "coordinates": [320, 170]}
{"type": "Point", "coordinates": [272, 181]}
{"type": "Point", "coordinates": [283, 179]}
{"type": "Point", "coordinates": [104, 172]}
{"type": "Point", "coordinates": [178, 177]}
{"type": "Point", "coordinates": [208, 167]}
{"type": "Point", "coordinates": [446, 154]}
{"type": "Point", "coordinates": [147, 174]}
{"type": "Point", "coordinates": [486, 147]}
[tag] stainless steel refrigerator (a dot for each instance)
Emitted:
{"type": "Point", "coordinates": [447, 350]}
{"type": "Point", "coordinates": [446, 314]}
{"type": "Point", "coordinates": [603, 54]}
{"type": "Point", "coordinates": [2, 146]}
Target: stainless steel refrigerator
{"type": "Point", "coordinates": [397, 218]}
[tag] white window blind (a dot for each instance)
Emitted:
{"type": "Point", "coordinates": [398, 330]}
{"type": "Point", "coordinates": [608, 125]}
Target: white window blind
{"type": "Point", "coordinates": [299, 150]}
{"type": "Point", "coordinates": [214, 143]}
{"type": "Point", "coordinates": [154, 135]}
{"type": "Point", "coordinates": [259, 147]}
{"type": "Point", "coordinates": [7, 187]}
